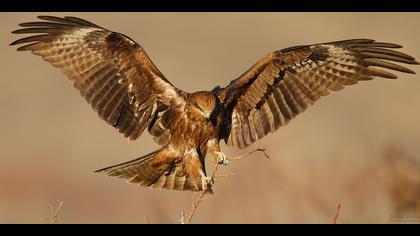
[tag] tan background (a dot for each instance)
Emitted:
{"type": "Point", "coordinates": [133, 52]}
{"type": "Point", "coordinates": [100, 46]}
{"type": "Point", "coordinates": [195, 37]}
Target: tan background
{"type": "Point", "coordinates": [51, 140]}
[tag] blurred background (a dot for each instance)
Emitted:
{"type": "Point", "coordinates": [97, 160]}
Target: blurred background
{"type": "Point", "coordinates": [335, 153]}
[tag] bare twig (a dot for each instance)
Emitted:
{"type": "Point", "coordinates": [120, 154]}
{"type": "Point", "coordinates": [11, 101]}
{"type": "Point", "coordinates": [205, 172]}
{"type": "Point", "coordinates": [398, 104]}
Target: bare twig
{"type": "Point", "coordinates": [337, 213]}
{"type": "Point", "coordinates": [249, 153]}
{"type": "Point", "coordinates": [224, 175]}
{"type": "Point", "coordinates": [54, 213]}
{"type": "Point", "coordinates": [195, 203]}
{"type": "Point", "coordinates": [182, 220]}
{"type": "Point", "coordinates": [200, 196]}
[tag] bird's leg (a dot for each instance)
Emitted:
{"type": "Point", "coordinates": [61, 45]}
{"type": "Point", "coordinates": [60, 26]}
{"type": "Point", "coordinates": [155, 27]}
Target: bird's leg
{"type": "Point", "coordinates": [221, 158]}
{"type": "Point", "coordinates": [207, 183]}
{"type": "Point", "coordinates": [208, 180]}
{"type": "Point", "coordinates": [214, 150]}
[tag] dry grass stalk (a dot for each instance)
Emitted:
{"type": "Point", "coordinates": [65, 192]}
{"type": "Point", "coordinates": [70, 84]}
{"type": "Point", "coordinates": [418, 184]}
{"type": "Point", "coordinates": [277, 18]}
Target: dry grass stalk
{"type": "Point", "coordinates": [182, 220]}
{"type": "Point", "coordinates": [54, 213]}
{"type": "Point", "coordinates": [200, 196]}
{"type": "Point", "coordinates": [401, 175]}
{"type": "Point", "coordinates": [337, 213]}
{"type": "Point", "coordinates": [224, 175]}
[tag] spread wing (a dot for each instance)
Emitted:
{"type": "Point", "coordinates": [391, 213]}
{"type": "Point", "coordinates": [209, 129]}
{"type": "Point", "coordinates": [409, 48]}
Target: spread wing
{"type": "Point", "coordinates": [286, 82]}
{"type": "Point", "coordinates": [111, 71]}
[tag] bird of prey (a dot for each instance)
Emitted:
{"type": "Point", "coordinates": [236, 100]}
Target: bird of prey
{"type": "Point", "coordinates": [119, 80]}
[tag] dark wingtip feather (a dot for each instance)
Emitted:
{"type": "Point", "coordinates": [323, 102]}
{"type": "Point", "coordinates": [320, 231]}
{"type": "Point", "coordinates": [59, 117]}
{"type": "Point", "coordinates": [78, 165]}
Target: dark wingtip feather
{"type": "Point", "coordinates": [61, 20]}
{"type": "Point", "coordinates": [44, 24]}
{"type": "Point", "coordinates": [28, 47]}
{"type": "Point", "coordinates": [50, 18]}
{"type": "Point", "coordinates": [386, 64]}
{"type": "Point", "coordinates": [36, 30]}
{"type": "Point", "coordinates": [409, 71]}
{"type": "Point", "coordinates": [13, 43]}
{"type": "Point", "coordinates": [386, 45]}
{"type": "Point", "coordinates": [25, 24]}
{"type": "Point", "coordinates": [100, 170]}
{"type": "Point", "coordinates": [35, 38]}
{"type": "Point", "coordinates": [51, 26]}
{"type": "Point", "coordinates": [372, 71]}
{"type": "Point", "coordinates": [351, 41]}
{"type": "Point", "coordinates": [81, 21]}
{"type": "Point", "coordinates": [106, 170]}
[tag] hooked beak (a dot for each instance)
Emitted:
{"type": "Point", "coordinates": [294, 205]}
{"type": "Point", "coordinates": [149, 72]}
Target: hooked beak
{"type": "Point", "coordinates": [207, 114]}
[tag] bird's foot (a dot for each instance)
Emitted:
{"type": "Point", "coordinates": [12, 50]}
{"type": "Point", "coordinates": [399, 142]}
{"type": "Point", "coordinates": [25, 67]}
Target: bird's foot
{"type": "Point", "coordinates": [208, 181]}
{"type": "Point", "coordinates": [221, 158]}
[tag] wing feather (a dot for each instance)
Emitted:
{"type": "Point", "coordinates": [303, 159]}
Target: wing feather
{"type": "Point", "coordinates": [286, 82]}
{"type": "Point", "coordinates": [112, 72]}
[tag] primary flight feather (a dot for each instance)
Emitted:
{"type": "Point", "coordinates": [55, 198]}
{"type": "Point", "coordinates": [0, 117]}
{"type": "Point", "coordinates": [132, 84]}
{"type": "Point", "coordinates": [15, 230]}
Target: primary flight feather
{"type": "Point", "coordinates": [118, 79]}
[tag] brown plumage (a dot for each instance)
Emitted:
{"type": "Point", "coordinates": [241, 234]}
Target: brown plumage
{"type": "Point", "coordinates": [115, 75]}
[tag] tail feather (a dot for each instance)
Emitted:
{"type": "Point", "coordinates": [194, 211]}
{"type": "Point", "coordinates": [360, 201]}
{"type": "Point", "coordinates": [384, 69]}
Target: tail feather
{"type": "Point", "coordinates": [127, 169]}
{"type": "Point", "coordinates": [159, 169]}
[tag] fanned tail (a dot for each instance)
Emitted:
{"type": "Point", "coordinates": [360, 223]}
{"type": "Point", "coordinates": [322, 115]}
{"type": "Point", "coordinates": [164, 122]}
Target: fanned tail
{"type": "Point", "coordinates": [160, 169]}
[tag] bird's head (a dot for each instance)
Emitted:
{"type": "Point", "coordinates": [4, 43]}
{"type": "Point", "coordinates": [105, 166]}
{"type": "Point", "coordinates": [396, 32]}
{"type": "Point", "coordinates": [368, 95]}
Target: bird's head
{"type": "Point", "coordinates": [204, 103]}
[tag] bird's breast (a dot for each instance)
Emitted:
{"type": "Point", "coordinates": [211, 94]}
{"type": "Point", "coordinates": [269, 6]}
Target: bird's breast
{"type": "Point", "coordinates": [192, 130]}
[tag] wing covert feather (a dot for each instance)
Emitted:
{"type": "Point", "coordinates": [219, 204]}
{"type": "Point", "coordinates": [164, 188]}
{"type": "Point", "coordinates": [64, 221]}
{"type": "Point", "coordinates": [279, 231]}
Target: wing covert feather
{"type": "Point", "coordinates": [286, 82]}
{"type": "Point", "coordinates": [111, 71]}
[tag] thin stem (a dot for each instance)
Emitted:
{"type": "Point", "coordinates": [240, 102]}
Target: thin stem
{"type": "Point", "coordinates": [337, 213]}
{"type": "Point", "coordinates": [249, 153]}
{"type": "Point", "coordinates": [224, 175]}
{"type": "Point", "coordinates": [200, 196]}
{"type": "Point", "coordinates": [54, 213]}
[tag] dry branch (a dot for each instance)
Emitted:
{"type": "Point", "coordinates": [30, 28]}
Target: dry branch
{"type": "Point", "coordinates": [200, 196]}
{"type": "Point", "coordinates": [54, 213]}
{"type": "Point", "coordinates": [337, 213]}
